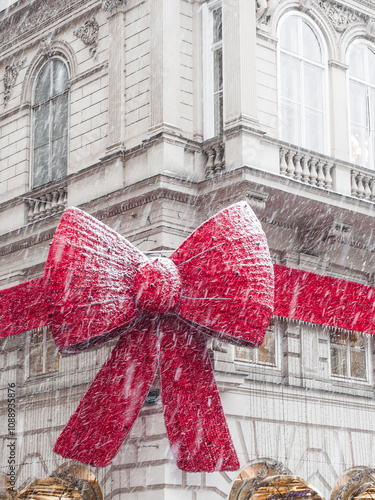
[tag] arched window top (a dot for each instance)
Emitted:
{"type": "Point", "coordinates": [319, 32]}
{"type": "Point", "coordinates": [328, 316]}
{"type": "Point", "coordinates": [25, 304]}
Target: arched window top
{"type": "Point", "coordinates": [51, 81]}
{"type": "Point", "coordinates": [299, 38]}
{"type": "Point", "coordinates": [361, 73]}
{"type": "Point", "coordinates": [302, 83]}
{"type": "Point", "coordinates": [361, 62]}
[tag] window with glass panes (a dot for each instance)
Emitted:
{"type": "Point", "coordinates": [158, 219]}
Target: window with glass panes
{"type": "Point", "coordinates": [217, 52]}
{"type": "Point", "coordinates": [361, 62]}
{"type": "Point", "coordinates": [302, 85]}
{"type": "Point", "coordinates": [42, 353]}
{"type": "Point", "coordinates": [213, 70]}
{"type": "Point", "coordinates": [348, 354]}
{"type": "Point", "coordinates": [263, 355]}
{"type": "Point", "coordinates": [50, 123]}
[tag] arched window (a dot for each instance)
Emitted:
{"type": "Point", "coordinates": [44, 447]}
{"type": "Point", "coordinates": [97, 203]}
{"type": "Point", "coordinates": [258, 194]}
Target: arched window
{"type": "Point", "coordinates": [302, 84]}
{"type": "Point", "coordinates": [50, 123]}
{"type": "Point", "coordinates": [361, 61]}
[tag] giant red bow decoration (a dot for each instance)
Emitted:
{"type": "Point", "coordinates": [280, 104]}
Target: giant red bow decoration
{"type": "Point", "coordinates": [97, 285]}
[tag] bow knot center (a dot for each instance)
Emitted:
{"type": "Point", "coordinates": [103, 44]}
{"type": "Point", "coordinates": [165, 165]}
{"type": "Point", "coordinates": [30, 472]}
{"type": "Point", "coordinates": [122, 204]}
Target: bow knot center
{"type": "Point", "coordinates": [157, 287]}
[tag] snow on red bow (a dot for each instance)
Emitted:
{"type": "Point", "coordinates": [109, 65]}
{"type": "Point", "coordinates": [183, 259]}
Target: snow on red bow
{"type": "Point", "coordinates": [97, 285]}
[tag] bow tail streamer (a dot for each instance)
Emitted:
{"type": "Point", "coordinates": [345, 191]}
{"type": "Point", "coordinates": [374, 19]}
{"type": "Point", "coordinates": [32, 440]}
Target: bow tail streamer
{"type": "Point", "coordinates": [107, 412]}
{"type": "Point", "coordinates": [193, 414]}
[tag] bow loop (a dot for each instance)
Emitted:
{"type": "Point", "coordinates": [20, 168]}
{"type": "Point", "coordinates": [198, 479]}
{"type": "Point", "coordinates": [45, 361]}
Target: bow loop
{"type": "Point", "coordinates": [90, 271]}
{"type": "Point", "coordinates": [227, 276]}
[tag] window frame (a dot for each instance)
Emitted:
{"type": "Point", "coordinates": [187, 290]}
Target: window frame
{"type": "Point", "coordinates": [247, 362]}
{"type": "Point", "coordinates": [370, 46]}
{"type": "Point", "coordinates": [348, 350]}
{"type": "Point", "coordinates": [45, 331]}
{"type": "Point", "coordinates": [325, 149]}
{"type": "Point", "coordinates": [33, 110]}
{"type": "Point", "coordinates": [209, 48]}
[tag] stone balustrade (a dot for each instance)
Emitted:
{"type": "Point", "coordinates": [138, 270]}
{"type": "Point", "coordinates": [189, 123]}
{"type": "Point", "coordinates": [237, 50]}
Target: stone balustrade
{"type": "Point", "coordinates": [362, 185]}
{"type": "Point", "coordinates": [46, 204]}
{"type": "Point", "coordinates": [305, 166]}
{"type": "Point", "coordinates": [215, 157]}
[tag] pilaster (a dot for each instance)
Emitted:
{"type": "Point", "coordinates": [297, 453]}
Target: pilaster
{"type": "Point", "coordinates": [165, 65]}
{"type": "Point", "coordinates": [239, 35]}
{"type": "Point", "coordinates": [116, 78]}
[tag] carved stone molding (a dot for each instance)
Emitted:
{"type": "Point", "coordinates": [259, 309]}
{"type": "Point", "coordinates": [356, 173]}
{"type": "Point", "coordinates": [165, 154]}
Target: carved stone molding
{"type": "Point", "coordinates": [340, 16]}
{"type": "Point", "coordinates": [89, 34]}
{"type": "Point", "coordinates": [109, 5]}
{"type": "Point", "coordinates": [267, 468]}
{"type": "Point", "coordinates": [317, 241]}
{"type": "Point", "coordinates": [265, 9]}
{"type": "Point", "coordinates": [354, 482]}
{"type": "Point", "coordinates": [31, 20]}
{"type": "Point", "coordinates": [10, 77]}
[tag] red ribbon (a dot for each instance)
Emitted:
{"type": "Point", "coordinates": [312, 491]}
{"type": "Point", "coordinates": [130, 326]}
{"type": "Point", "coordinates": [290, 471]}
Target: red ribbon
{"type": "Point", "coordinates": [97, 286]}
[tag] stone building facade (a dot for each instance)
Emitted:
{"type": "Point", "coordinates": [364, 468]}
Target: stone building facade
{"type": "Point", "coordinates": [152, 115]}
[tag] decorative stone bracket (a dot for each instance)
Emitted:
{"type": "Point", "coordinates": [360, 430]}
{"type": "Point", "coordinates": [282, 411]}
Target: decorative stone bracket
{"type": "Point", "coordinates": [10, 77]}
{"type": "Point", "coordinates": [89, 34]}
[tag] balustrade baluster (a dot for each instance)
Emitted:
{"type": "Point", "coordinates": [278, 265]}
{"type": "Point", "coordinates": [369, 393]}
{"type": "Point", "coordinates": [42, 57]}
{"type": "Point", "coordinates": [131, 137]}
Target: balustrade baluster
{"type": "Point", "coordinates": [305, 169]}
{"type": "Point", "coordinates": [372, 188]}
{"type": "Point", "coordinates": [320, 176]}
{"type": "Point", "coordinates": [327, 173]}
{"type": "Point", "coordinates": [210, 152]}
{"type": "Point", "coordinates": [48, 208]}
{"type": "Point", "coordinates": [313, 172]}
{"type": "Point", "coordinates": [30, 210]}
{"type": "Point", "coordinates": [366, 186]}
{"type": "Point", "coordinates": [298, 167]}
{"type": "Point", "coordinates": [361, 189]}
{"type": "Point", "coordinates": [290, 164]}
{"type": "Point", "coordinates": [354, 187]}
{"type": "Point", "coordinates": [61, 199]}
{"type": "Point", "coordinates": [283, 165]}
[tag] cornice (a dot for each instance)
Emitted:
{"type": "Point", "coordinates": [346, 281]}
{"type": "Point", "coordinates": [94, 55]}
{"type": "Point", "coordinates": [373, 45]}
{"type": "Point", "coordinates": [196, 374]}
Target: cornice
{"type": "Point", "coordinates": [157, 194]}
{"type": "Point", "coordinates": [28, 242]}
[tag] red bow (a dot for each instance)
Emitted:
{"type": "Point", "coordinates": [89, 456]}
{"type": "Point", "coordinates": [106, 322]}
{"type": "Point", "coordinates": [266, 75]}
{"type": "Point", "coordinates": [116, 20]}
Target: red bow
{"type": "Point", "coordinates": [97, 286]}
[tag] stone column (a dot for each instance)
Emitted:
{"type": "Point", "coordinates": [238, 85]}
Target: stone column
{"type": "Point", "coordinates": [165, 65]}
{"type": "Point", "coordinates": [239, 38]}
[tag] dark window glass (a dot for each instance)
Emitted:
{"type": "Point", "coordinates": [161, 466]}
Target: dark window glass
{"type": "Point", "coordinates": [50, 123]}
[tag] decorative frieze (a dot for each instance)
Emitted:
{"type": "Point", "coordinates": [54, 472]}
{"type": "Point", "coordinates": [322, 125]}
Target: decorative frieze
{"type": "Point", "coordinates": [10, 77]}
{"type": "Point", "coordinates": [89, 34]}
{"type": "Point", "coordinates": [109, 5]}
{"type": "Point", "coordinates": [340, 16]}
{"type": "Point", "coordinates": [38, 14]}
{"type": "Point", "coordinates": [317, 241]}
{"type": "Point", "coordinates": [264, 8]}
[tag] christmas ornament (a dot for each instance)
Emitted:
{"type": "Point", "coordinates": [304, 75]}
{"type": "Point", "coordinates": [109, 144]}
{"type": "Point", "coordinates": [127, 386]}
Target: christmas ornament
{"type": "Point", "coordinates": [97, 286]}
